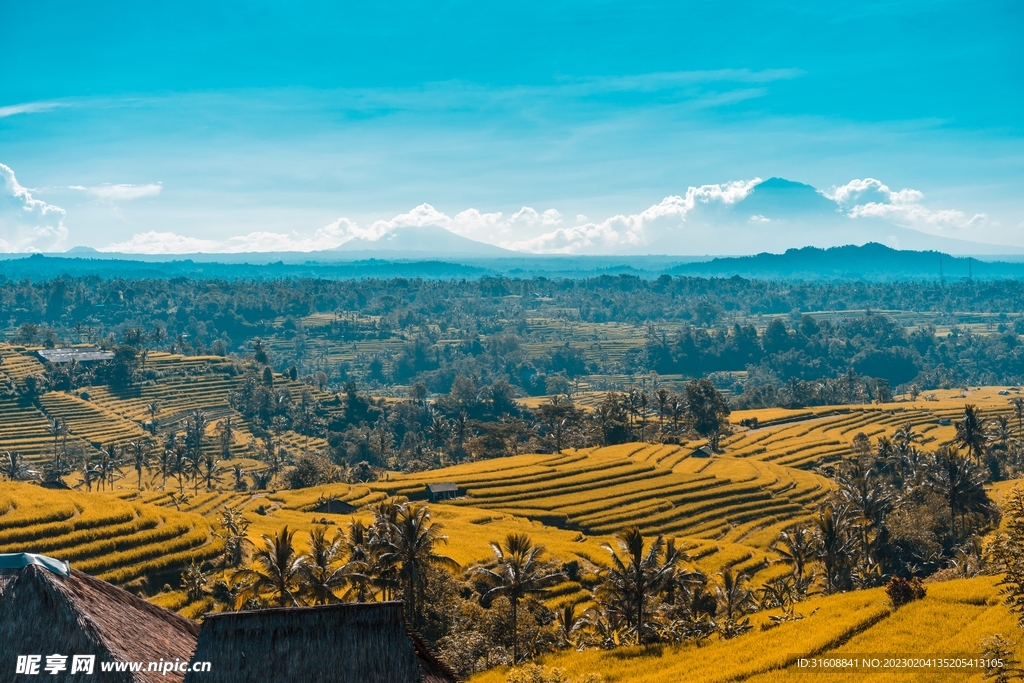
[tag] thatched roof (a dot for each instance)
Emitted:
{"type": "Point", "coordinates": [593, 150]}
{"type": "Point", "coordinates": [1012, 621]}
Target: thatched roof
{"type": "Point", "coordinates": [44, 613]}
{"type": "Point", "coordinates": [443, 487]}
{"type": "Point", "coordinates": [346, 643]}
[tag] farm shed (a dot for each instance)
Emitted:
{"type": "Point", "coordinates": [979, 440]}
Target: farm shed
{"type": "Point", "coordinates": [86, 354]}
{"type": "Point", "coordinates": [444, 491]}
{"type": "Point", "coordinates": [345, 643]}
{"type": "Point", "coordinates": [47, 608]}
{"type": "Point", "coordinates": [702, 452]}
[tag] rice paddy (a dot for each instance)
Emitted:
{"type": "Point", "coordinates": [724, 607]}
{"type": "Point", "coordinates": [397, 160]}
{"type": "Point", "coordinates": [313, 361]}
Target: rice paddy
{"type": "Point", "coordinates": [100, 534]}
{"type": "Point", "coordinates": [724, 510]}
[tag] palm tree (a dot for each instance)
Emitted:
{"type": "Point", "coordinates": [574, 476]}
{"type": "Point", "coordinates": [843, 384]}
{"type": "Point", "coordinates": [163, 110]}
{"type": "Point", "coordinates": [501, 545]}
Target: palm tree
{"type": "Point", "coordinates": [154, 410]}
{"type": "Point", "coordinates": [110, 466]}
{"type": "Point", "coordinates": [323, 573]}
{"type": "Point", "coordinates": [15, 469]}
{"type": "Point", "coordinates": [970, 433]}
{"type": "Point", "coordinates": [438, 430]}
{"type": "Point", "coordinates": [635, 577]}
{"type": "Point", "coordinates": [414, 542]}
{"type": "Point", "coordinates": [213, 471]}
{"type": "Point", "coordinates": [868, 502]}
{"type": "Point", "coordinates": [905, 437]}
{"type": "Point", "coordinates": [520, 575]}
{"type": "Point", "coordinates": [235, 526]}
{"type": "Point", "coordinates": [354, 545]}
{"type": "Point", "coordinates": [194, 581]}
{"type": "Point", "coordinates": [141, 449]}
{"type": "Point", "coordinates": [663, 398]}
{"type": "Point", "coordinates": [56, 427]}
{"type": "Point", "coordinates": [833, 548]}
{"type": "Point", "coordinates": [277, 571]}
{"type": "Point", "coordinates": [961, 483]}
{"type": "Point", "coordinates": [734, 599]}
{"type": "Point", "coordinates": [795, 546]}
{"type": "Point", "coordinates": [1001, 432]}
{"type": "Point", "coordinates": [568, 624]}
{"type": "Point", "coordinates": [643, 402]}
{"type": "Point", "coordinates": [179, 465]}
{"type": "Point", "coordinates": [378, 566]}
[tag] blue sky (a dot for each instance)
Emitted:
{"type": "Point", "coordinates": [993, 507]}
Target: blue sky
{"type": "Point", "coordinates": [186, 126]}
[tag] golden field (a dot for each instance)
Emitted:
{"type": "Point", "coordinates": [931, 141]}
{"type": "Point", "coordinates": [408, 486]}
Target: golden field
{"type": "Point", "coordinates": [725, 510]}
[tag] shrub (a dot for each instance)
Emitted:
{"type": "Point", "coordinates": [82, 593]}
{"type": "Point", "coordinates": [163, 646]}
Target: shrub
{"type": "Point", "coordinates": [901, 591]}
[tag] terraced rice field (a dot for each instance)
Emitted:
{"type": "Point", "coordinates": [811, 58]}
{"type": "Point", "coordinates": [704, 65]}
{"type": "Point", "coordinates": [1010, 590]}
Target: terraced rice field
{"type": "Point", "coordinates": [24, 429]}
{"type": "Point", "coordinates": [119, 541]}
{"type": "Point", "coordinates": [951, 621]}
{"type": "Point", "coordinates": [89, 422]}
{"type": "Point", "coordinates": [107, 416]}
{"type": "Point", "coordinates": [18, 363]}
{"type": "Point", "coordinates": [807, 438]}
{"type": "Point", "coordinates": [663, 489]}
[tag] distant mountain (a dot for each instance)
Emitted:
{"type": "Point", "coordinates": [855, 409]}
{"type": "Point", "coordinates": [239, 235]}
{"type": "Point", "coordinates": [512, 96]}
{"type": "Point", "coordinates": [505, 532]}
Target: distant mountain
{"type": "Point", "coordinates": [780, 213]}
{"type": "Point", "coordinates": [871, 261]}
{"type": "Point", "coordinates": [419, 241]}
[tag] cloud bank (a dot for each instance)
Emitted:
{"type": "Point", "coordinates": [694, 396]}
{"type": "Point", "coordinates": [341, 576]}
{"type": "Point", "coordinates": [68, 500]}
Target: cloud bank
{"type": "Point", "coordinates": [27, 224]}
{"type": "Point", "coordinates": [121, 193]}
{"type": "Point", "coordinates": [548, 232]}
{"type": "Point", "coordinates": [870, 198]}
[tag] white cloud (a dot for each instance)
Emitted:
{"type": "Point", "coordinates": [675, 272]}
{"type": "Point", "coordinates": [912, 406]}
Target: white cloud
{"type": "Point", "coordinates": [533, 231]}
{"type": "Point", "coordinates": [327, 237]}
{"type": "Point", "coordinates": [163, 243]}
{"type": "Point", "coordinates": [871, 198]}
{"type": "Point", "coordinates": [121, 193]}
{"type": "Point", "coordinates": [27, 224]}
{"type": "Point", "coordinates": [28, 108]}
{"type": "Point", "coordinates": [635, 230]}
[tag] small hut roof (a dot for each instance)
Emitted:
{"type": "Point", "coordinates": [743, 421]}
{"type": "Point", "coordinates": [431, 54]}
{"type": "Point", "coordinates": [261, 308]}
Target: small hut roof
{"type": "Point", "coordinates": [443, 487]}
{"type": "Point", "coordinates": [80, 354]}
{"type": "Point", "coordinates": [346, 643]}
{"type": "Point", "coordinates": [44, 613]}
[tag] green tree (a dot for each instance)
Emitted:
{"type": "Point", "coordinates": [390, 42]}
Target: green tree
{"type": "Point", "coordinates": [795, 547]}
{"type": "Point", "coordinates": [416, 540]}
{"type": "Point", "coordinates": [277, 572]}
{"type": "Point", "coordinates": [324, 575]}
{"type": "Point", "coordinates": [15, 469]}
{"type": "Point", "coordinates": [521, 574]}
{"type": "Point", "coordinates": [636, 576]}
{"type": "Point", "coordinates": [833, 547]}
{"type": "Point", "coordinates": [734, 600]}
{"type": "Point", "coordinates": [235, 527]}
{"type": "Point", "coordinates": [708, 410]}
{"type": "Point", "coordinates": [961, 483]}
{"type": "Point", "coordinates": [971, 433]}
{"type": "Point", "coordinates": [141, 458]}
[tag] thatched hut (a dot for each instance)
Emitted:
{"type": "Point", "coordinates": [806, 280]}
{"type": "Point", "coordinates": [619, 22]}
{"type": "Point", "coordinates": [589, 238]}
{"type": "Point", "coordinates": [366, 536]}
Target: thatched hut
{"type": "Point", "coordinates": [48, 608]}
{"type": "Point", "coordinates": [346, 643]}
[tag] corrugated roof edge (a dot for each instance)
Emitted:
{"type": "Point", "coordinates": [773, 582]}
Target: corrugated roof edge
{"type": "Point", "coordinates": [22, 560]}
